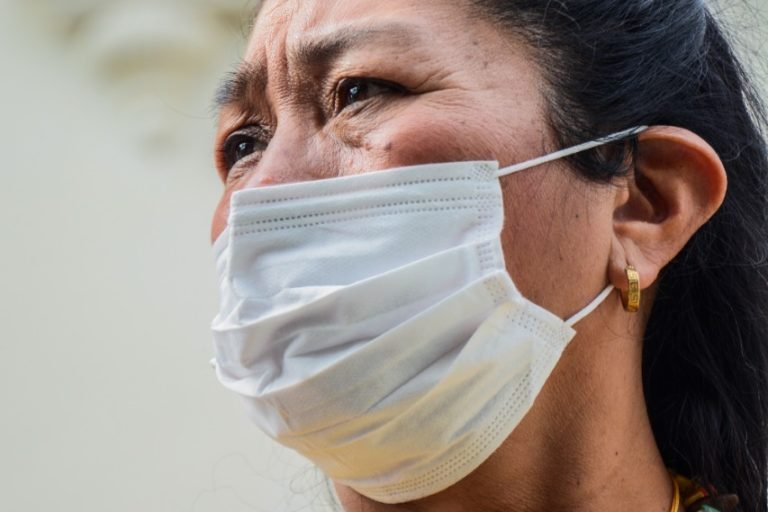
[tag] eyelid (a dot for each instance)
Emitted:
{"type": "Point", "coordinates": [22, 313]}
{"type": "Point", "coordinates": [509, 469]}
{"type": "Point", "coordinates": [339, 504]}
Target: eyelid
{"type": "Point", "coordinates": [232, 126]}
{"type": "Point", "coordinates": [261, 134]}
{"type": "Point", "coordinates": [255, 130]}
{"type": "Point", "coordinates": [395, 87]}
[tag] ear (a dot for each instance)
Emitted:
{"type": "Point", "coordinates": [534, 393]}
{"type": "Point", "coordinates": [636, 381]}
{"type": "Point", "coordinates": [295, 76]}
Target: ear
{"type": "Point", "coordinates": [678, 183]}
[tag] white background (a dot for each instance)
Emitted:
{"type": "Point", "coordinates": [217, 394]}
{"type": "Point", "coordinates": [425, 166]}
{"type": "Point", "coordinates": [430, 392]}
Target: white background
{"type": "Point", "coordinates": [106, 278]}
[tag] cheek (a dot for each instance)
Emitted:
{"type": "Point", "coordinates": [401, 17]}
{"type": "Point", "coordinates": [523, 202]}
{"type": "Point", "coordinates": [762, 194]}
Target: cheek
{"type": "Point", "coordinates": [556, 239]}
{"type": "Point", "coordinates": [426, 136]}
{"type": "Point", "coordinates": [220, 215]}
{"type": "Point", "coordinates": [455, 125]}
{"type": "Point", "coordinates": [426, 142]}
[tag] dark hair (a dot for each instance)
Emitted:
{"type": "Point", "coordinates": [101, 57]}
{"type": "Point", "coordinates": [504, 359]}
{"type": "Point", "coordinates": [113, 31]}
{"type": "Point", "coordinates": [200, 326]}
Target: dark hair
{"type": "Point", "coordinates": [614, 64]}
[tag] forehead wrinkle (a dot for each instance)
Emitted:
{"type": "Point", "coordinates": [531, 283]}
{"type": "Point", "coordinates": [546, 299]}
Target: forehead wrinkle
{"type": "Point", "coordinates": [320, 49]}
{"type": "Point", "coordinates": [242, 87]}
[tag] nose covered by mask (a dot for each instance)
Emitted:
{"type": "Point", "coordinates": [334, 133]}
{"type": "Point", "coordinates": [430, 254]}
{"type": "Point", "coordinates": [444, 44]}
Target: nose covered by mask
{"type": "Point", "coordinates": [369, 323]}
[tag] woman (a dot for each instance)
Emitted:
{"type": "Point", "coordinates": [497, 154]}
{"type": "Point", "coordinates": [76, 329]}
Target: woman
{"type": "Point", "coordinates": [602, 350]}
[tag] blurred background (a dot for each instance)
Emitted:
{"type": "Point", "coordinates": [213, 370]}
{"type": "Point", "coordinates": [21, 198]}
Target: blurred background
{"type": "Point", "coordinates": [108, 400]}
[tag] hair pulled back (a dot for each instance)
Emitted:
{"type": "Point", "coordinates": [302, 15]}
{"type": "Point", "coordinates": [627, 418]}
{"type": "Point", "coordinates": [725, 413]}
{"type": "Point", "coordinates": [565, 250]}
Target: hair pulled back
{"type": "Point", "coordinates": [615, 64]}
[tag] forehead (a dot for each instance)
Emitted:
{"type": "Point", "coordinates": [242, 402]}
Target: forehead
{"type": "Point", "coordinates": [286, 22]}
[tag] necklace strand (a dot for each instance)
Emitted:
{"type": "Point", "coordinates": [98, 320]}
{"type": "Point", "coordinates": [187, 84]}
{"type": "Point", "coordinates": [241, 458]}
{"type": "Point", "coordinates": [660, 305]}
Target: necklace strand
{"type": "Point", "coordinates": [675, 497]}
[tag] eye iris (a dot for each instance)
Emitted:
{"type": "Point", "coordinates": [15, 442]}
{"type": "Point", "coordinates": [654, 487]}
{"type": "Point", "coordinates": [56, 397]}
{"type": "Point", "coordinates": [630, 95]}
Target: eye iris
{"type": "Point", "coordinates": [237, 148]}
{"type": "Point", "coordinates": [357, 92]}
{"type": "Point", "coordinates": [244, 148]}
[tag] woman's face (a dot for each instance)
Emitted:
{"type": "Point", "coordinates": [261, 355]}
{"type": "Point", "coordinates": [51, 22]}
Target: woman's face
{"type": "Point", "coordinates": [339, 87]}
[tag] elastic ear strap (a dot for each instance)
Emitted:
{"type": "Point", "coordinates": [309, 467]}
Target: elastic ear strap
{"type": "Point", "coordinates": [590, 307]}
{"type": "Point", "coordinates": [557, 155]}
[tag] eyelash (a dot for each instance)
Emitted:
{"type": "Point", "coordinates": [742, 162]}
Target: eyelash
{"type": "Point", "coordinates": [255, 136]}
{"type": "Point", "coordinates": [346, 86]}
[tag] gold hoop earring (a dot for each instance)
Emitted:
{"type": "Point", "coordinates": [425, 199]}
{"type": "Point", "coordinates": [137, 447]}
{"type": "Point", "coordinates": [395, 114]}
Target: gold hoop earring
{"type": "Point", "coordinates": [631, 298]}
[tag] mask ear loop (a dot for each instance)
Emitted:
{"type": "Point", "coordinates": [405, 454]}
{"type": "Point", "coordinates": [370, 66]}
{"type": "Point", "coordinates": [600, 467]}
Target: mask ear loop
{"type": "Point", "coordinates": [596, 302]}
{"type": "Point", "coordinates": [557, 155]}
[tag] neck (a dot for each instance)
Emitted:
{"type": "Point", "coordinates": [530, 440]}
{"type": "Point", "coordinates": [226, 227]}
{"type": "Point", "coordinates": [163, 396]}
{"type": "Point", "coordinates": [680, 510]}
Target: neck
{"type": "Point", "coordinates": [586, 445]}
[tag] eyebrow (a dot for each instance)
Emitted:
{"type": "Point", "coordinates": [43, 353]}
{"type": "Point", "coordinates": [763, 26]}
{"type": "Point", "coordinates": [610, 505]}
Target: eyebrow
{"type": "Point", "coordinates": [235, 86]}
{"type": "Point", "coordinates": [313, 51]}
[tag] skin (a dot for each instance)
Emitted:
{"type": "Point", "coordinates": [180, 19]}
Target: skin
{"type": "Point", "coordinates": [587, 444]}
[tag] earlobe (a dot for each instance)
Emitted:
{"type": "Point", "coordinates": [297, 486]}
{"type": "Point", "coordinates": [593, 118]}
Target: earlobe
{"type": "Point", "coordinates": [678, 183]}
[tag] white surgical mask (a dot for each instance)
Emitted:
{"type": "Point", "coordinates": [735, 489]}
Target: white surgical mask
{"type": "Point", "coordinates": [369, 323]}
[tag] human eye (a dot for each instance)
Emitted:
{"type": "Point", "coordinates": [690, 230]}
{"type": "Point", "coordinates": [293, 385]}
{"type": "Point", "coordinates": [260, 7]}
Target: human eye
{"type": "Point", "coordinates": [242, 144]}
{"type": "Point", "coordinates": [352, 91]}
